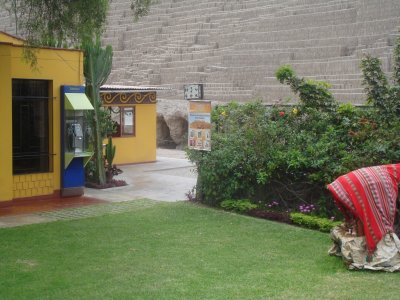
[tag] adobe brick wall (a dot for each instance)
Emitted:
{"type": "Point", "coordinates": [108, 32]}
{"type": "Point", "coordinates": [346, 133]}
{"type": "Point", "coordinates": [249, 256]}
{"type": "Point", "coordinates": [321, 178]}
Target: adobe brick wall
{"type": "Point", "coordinates": [234, 47]}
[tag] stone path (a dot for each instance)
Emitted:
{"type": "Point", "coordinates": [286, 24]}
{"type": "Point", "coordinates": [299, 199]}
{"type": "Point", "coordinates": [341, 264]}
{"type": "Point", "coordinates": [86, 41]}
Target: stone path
{"type": "Point", "coordinates": [75, 213]}
{"type": "Point", "coordinates": [168, 179]}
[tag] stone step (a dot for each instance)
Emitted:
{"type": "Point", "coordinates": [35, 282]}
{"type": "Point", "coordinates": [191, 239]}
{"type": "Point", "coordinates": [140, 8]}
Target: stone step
{"type": "Point", "coordinates": [284, 95]}
{"type": "Point", "coordinates": [336, 83]}
{"type": "Point", "coordinates": [377, 27]}
{"type": "Point", "coordinates": [321, 8]}
{"type": "Point", "coordinates": [257, 57]}
{"type": "Point", "coordinates": [334, 17]}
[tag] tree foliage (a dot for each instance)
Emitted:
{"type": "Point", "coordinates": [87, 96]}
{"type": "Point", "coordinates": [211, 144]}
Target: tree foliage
{"type": "Point", "coordinates": [383, 93]}
{"type": "Point", "coordinates": [64, 23]}
{"type": "Point", "coordinates": [312, 93]}
{"type": "Point", "coordinates": [58, 23]}
{"type": "Point", "coordinates": [141, 7]}
{"type": "Point", "coordinates": [396, 63]}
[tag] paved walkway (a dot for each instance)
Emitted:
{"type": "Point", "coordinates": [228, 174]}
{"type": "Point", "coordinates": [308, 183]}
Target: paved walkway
{"type": "Point", "coordinates": [167, 179]}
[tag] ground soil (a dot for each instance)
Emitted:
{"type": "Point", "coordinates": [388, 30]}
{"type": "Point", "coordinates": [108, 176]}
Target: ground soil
{"type": "Point", "coordinates": [111, 184]}
{"type": "Point", "coordinates": [270, 215]}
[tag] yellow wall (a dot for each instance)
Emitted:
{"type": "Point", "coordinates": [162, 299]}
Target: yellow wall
{"type": "Point", "coordinates": [6, 38]}
{"type": "Point", "coordinates": [61, 67]}
{"type": "Point", "coordinates": [33, 185]}
{"type": "Point", "coordinates": [6, 179]}
{"type": "Point", "coordinates": [142, 147]}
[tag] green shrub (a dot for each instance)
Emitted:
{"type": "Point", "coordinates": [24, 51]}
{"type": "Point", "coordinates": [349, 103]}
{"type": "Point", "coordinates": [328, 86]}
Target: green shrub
{"type": "Point", "coordinates": [240, 206]}
{"type": "Point", "coordinates": [263, 153]}
{"type": "Point", "coordinates": [291, 153]}
{"type": "Point", "coordinates": [313, 222]}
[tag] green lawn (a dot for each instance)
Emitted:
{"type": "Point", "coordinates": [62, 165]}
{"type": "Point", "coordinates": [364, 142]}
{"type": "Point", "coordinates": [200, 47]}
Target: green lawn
{"type": "Point", "coordinates": [178, 251]}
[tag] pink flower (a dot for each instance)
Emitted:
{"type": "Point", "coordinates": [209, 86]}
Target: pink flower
{"type": "Point", "coordinates": [281, 113]}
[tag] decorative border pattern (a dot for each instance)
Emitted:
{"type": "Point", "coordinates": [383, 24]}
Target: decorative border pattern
{"type": "Point", "coordinates": [120, 98]}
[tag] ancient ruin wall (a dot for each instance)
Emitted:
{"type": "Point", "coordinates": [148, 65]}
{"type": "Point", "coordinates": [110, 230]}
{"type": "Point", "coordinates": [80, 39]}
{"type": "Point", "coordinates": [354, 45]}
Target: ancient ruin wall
{"type": "Point", "coordinates": [234, 47]}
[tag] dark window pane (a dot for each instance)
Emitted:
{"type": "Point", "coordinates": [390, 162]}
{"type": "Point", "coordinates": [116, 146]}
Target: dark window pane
{"type": "Point", "coordinates": [124, 120]}
{"type": "Point", "coordinates": [30, 126]}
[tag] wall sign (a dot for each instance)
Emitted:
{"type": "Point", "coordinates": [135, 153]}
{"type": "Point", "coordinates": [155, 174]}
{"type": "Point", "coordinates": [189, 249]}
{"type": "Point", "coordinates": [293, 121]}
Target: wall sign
{"type": "Point", "coordinates": [193, 91]}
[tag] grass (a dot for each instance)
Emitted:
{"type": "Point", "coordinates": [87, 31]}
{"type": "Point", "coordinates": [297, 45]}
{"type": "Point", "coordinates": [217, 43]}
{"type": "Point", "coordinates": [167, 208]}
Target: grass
{"type": "Point", "coordinates": [178, 251]}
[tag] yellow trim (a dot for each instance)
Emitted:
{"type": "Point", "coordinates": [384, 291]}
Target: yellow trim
{"type": "Point", "coordinates": [8, 38]}
{"type": "Point", "coordinates": [77, 101]}
{"type": "Point", "coordinates": [69, 156]}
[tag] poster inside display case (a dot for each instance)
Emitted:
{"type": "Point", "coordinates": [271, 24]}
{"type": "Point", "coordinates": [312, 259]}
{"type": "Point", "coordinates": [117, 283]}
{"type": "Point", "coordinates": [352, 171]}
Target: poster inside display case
{"type": "Point", "coordinates": [199, 125]}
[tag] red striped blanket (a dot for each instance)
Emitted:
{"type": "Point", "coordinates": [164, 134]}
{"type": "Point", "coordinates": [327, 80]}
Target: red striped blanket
{"type": "Point", "coordinates": [369, 195]}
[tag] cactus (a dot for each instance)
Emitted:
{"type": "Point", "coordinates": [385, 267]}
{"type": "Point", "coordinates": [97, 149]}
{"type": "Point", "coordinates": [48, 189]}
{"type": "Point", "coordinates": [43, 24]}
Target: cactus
{"type": "Point", "coordinates": [97, 68]}
{"type": "Point", "coordinates": [110, 154]}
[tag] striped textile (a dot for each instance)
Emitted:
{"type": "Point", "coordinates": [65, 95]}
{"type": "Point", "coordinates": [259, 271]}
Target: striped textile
{"type": "Point", "coordinates": [369, 195]}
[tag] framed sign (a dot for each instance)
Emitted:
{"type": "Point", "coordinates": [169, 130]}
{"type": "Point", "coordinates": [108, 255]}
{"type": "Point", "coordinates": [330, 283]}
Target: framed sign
{"type": "Point", "coordinates": [199, 136]}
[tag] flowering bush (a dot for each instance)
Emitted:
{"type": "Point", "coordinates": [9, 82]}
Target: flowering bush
{"type": "Point", "coordinates": [306, 209]}
{"type": "Point", "coordinates": [260, 155]}
{"type": "Point", "coordinates": [273, 204]}
{"type": "Point", "coordinates": [291, 153]}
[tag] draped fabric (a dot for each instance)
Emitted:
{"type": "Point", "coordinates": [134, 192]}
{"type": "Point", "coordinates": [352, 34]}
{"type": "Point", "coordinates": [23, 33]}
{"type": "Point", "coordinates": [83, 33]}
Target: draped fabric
{"type": "Point", "coordinates": [369, 195]}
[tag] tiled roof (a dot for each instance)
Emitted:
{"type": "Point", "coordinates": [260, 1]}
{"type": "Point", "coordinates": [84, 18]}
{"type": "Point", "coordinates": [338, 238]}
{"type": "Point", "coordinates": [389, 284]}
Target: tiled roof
{"type": "Point", "coordinates": [131, 88]}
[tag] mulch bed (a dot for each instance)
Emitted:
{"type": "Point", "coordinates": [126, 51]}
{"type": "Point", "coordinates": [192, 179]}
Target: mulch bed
{"type": "Point", "coordinates": [111, 184]}
{"type": "Point", "coordinates": [282, 217]}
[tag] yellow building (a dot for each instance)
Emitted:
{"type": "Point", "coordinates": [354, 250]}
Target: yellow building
{"type": "Point", "coordinates": [32, 161]}
{"type": "Point", "coordinates": [30, 117]}
{"type": "Point", "coordinates": [134, 113]}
